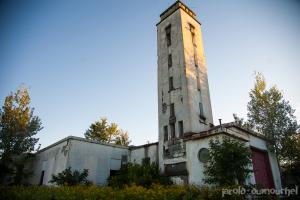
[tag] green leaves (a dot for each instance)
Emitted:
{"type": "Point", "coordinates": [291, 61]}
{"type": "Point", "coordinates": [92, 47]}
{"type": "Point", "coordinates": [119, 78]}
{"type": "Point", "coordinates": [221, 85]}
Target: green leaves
{"type": "Point", "coordinates": [145, 175]}
{"type": "Point", "coordinates": [71, 178]}
{"type": "Point", "coordinates": [18, 125]}
{"type": "Point", "coordinates": [271, 115]}
{"type": "Point", "coordinates": [229, 162]}
{"type": "Point", "coordinates": [103, 132]}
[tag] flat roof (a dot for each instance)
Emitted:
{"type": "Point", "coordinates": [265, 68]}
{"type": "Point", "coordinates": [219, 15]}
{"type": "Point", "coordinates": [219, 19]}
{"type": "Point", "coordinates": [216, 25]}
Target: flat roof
{"type": "Point", "coordinates": [175, 6]}
{"type": "Point", "coordinates": [82, 140]}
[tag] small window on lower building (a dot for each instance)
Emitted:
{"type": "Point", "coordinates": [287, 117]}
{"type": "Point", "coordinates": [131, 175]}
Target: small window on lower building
{"type": "Point", "coordinates": [113, 172]}
{"type": "Point", "coordinates": [172, 127]}
{"type": "Point", "coordinates": [180, 128]}
{"type": "Point", "coordinates": [165, 133]}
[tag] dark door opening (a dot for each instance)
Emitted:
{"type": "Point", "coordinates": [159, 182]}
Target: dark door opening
{"type": "Point", "coordinates": [42, 178]}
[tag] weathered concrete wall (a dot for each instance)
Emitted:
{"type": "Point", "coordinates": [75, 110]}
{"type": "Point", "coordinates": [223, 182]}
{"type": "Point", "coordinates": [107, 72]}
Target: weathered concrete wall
{"type": "Point", "coordinates": [137, 154]}
{"type": "Point", "coordinates": [79, 154]}
{"type": "Point", "coordinates": [99, 159]}
{"type": "Point", "coordinates": [51, 160]}
{"type": "Point", "coordinates": [195, 167]}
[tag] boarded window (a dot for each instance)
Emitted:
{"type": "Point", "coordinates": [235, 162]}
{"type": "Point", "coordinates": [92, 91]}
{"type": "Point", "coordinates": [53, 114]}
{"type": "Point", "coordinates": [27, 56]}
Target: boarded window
{"type": "Point", "coordinates": [171, 86]}
{"type": "Point", "coordinates": [170, 60]}
{"type": "Point", "coordinates": [180, 128]}
{"type": "Point", "coordinates": [165, 133]}
{"type": "Point", "coordinates": [176, 169]}
{"type": "Point", "coordinates": [172, 127]}
{"type": "Point", "coordinates": [168, 35]}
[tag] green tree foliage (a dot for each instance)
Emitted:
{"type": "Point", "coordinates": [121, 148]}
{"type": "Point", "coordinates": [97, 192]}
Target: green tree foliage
{"type": "Point", "coordinates": [18, 126]}
{"type": "Point", "coordinates": [291, 166]}
{"type": "Point", "coordinates": [228, 163]}
{"type": "Point", "coordinates": [71, 178]}
{"type": "Point", "coordinates": [103, 132]}
{"type": "Point", "coordinates": [271, 115]}
{"type": "Point", "coordinates": [145, 175]}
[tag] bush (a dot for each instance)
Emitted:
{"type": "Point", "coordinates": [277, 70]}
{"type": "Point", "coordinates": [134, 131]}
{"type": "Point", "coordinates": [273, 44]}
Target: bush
{"type": "Point", "coordinates": [141, 175]}
{"type": "Point", "coordinates": [133, 192]}
{"type": "Point", "coordinates": [229, 161]}
{"type": "Point", "coordinates": [67, 177]}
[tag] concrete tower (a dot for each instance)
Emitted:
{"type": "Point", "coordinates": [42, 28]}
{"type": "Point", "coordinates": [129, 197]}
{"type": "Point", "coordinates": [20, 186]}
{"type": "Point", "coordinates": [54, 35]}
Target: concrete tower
{"type": "Point", "coordinates": [183, 95]}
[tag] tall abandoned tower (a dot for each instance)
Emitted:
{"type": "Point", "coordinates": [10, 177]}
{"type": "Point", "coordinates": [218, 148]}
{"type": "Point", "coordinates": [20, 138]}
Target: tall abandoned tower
{"type": "Point", "coordinates": [183, 95]}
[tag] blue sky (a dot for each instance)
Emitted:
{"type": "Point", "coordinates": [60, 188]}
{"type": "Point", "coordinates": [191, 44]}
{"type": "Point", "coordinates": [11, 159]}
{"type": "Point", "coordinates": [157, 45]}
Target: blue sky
{"type": "Point", "coordinates": [85, 59]}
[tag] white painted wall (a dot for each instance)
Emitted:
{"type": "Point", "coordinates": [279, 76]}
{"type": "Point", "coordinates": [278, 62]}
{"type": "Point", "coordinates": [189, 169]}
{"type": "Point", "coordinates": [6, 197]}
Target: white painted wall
{"type": "Point", "coordinates": [52, 160]}
{"type": "Point", "coordinates": [79, 154]}
{"type": "Point", "coordinates": [195, 167]}
{"type": "Point", "coordinates": [137, 154]}
{"type": "Point", "coordinates": [99, 159]}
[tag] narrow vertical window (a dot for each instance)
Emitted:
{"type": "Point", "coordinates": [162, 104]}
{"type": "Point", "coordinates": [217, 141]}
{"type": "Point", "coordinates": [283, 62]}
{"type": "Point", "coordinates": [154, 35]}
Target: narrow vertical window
{"type": "Point", "coordinates": [172, 110]}
{"type": "Point", "coordinates": [168, 35]}
{"type": "Point", "coordinates": [166, 133]}
{"type": "Point", "coordinates": [171, 86]}
{"type": "Point", "coordinates": [172, 127]}
{"type": "Point", "coordinates": [170, 60]}
{"type": "Point", "coordinates": [201, 111]}
{"type": "Point", "coordinates": [192, 29]}
{"type": "Point", "coordinates": [180, 128]}
{"type": "Point", "coordinates": [198, 83]}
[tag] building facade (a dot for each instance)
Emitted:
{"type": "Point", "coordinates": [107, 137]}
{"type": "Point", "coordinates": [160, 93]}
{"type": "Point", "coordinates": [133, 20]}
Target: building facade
{"type": "Point", "coordinates": [185, 120]}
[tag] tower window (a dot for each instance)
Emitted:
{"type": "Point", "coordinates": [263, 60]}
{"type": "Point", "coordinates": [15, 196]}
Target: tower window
{"type": "Point", "coordinates": [172, 110]}
{"type": "Point", "coordinates": [180, 128]}
{"type": "Point", "coordinates": [171, 86]}
{"type": "Point", "coordinates": [168, 35]}
{"type": "Point", "coordinates": [201, 111]}
{"type": "Point", "coordinates": [165, 133]}
{"type": "Point", "coordinates": [198, 83]}
{"type": "Point", "coordinates": [170, 60]}
{"type": "Point", "coordinates": [192, 29]}
{"type": "Point", "coordinates": [172, 127]}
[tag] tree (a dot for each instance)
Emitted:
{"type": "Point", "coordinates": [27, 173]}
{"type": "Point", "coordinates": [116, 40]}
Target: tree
{"type": "Point", "coordinates": [271, 115]}
{"type": "Point", "coordinates": [18, 126]}
{"type": "Point", "coordinates": [67, 177]}
{"type": "Point", "coordinates": [103, 132]}
{"type": "Point", "coordinates": [229, 161]}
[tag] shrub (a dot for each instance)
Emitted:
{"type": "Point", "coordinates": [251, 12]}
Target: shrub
{"type": "Point", "coordinates": [229, 162]}
{"type": "Point", "coordinates": [145, 174]}
{"type": "Point", "coordinates": [67, 177]}
{"type": "Point", "coordinates": [133, 192]}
